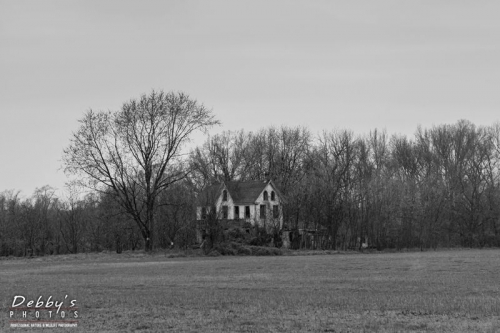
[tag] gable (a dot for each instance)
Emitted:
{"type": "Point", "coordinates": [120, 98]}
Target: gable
{"type": "Point", "coordinates": [269, 188]}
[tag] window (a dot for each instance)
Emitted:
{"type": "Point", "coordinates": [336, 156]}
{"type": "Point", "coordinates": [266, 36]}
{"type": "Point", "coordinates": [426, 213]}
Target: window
{"type": "Point", "coordinates": [276, 211]}
{"type": "Point", "coordinates": [224, 212]}
{"type": "Point", "coordinates": [236, 212]}
{"type": "Point", "coordinates": [262, 211]}
{"type": "Point", "coordinates": [224, 195]}
{"type": "Point", "coordinates": [265, 196]}
{"type": "Point", "coordinates": [247, 212]}
{"type": "Point", "coordinates": [273, 196]}
{"type": "Point", "coordinates": [203, 212]}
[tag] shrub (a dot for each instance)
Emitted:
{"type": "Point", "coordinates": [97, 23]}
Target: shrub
{"type": "Point", "coordinates": [238, 235]}
{"type": "Point", "coordinates": [262, 237]}
{"type": "Point", "coordinates": [265, 251]}
{"type": "Point", "coordinates": [241, 249]}
{"type": "Point", "coordinates": [244, 251]}
{"type": "Point", "coordinates": [262, 251]}
{"type": "Point", "coordinates": [213, 253]}
{"type": "Point", "coordinates": [177, 255]}
{"type": "Point", "coordinates": [225, 249]}
{"type": "Point", "coordinates": [185, 237]}
{"type": "Point", "coordinates": [234, 248]}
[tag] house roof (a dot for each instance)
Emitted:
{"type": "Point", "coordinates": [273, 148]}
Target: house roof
{"type": "Point", "coordinates": [245, 192]}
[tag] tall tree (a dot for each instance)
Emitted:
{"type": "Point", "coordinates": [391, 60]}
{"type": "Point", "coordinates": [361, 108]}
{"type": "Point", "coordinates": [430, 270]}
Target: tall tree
{"type": "Point", "coordinates": [223, 157]}
{"type": "Point", "coordinates": [335, 158]}
{"type": "Point", "coordinates": [135, 152]}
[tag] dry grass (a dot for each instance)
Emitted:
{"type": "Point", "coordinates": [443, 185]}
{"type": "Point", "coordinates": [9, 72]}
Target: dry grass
{"type": "Point", "coordinates": [444, 291]}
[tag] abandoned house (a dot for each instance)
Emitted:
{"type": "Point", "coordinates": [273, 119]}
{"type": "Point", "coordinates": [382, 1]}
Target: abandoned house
{"type": "Point", "coordinates": [240, 202]}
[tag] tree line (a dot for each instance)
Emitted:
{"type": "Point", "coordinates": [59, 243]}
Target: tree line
{"type": "Point", "coordinates": [439, 188]}
{"type": "Point", "coordinates": [44, 224]}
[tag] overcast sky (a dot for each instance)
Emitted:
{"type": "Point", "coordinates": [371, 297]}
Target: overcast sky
{"type": "Point", "coordinates": [358, 65]}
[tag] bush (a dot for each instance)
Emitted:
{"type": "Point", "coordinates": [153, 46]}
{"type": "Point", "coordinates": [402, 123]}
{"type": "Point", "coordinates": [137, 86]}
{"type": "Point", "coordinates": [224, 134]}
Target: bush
{"type": "Point", "coordinates": [214, 253]}
{"type": "Point", "coordinates": [177, 255]}
{"type": "Point", "coordinates": [245, 251]}
{"type": "Point", "coordinates": [265, 251]}
{"type": "Point", "coordinates": [240, 249]}
{"type": "Point", "coordinates": [225, 250]}
{"type": "Point", "coordinates": [262, 251]}
{"type": "Point", "coordinates": [185, 238]}
{"type": "Point", "coordinates": [234, 248]}
{"type": "Point", "coordinates": [262, 237]}
{"type": "Point", "coordinates": [238, 235]}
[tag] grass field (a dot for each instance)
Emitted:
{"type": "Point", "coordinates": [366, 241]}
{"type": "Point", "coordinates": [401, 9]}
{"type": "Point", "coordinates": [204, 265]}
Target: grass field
{"type": "Point", "coordinates": [443, 291]}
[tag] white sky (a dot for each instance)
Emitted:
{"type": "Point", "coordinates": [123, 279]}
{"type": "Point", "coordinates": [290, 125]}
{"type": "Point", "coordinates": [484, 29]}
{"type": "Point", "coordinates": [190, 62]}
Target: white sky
{"type": "Point", "coordinates": [349, 64]}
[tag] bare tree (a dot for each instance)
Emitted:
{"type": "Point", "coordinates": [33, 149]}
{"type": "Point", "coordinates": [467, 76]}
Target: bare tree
{"type": "Point", "coordinates": [177, 217]}
{"type": "Point", "coordinates": [135, 152]}
{"type": "Point", "coordinates": [223, 157]}
{"type": "Point", "coordinates": [335, 158]}
{"type": "Point", "coordinates": [10, 214]}
{"type": "Point", "coordinates": [280, 154]}
{"type": "Point", "coordinates": [73, 215]}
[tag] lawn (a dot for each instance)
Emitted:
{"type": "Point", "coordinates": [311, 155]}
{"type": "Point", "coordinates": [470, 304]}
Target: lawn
{"type": "Point", "coordinates": [438, 291]}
